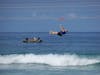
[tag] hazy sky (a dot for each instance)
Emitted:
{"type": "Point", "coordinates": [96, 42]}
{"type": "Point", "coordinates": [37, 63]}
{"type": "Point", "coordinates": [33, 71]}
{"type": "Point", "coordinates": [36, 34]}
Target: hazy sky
{"type": "Point", "coordinates": [46, 15]}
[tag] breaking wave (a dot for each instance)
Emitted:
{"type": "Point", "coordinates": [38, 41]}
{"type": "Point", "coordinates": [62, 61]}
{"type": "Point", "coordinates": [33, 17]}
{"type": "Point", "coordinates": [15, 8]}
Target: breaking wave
{"type": "Point", "coordinates": [49, 59]}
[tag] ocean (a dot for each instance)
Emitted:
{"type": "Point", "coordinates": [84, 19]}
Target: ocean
{"type": "Point", "coordinates": [76, 53]}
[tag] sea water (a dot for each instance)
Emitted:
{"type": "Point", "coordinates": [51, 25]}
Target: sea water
{"type": "Point", "coordinates": [76, 53]}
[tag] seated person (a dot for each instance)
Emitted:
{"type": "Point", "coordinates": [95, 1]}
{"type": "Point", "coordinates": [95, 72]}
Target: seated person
{"type": "Point", "coordinates": [26, 39]}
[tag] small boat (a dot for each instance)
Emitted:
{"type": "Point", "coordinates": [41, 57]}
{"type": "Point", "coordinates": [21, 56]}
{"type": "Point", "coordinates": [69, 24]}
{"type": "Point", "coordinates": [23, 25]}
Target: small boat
{"type": "Point", "coordinates": [32, 40]}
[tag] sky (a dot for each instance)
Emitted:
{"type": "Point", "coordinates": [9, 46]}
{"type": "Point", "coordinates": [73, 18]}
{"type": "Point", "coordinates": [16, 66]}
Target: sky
{"type": "Point", "coordinates": [46, 15]}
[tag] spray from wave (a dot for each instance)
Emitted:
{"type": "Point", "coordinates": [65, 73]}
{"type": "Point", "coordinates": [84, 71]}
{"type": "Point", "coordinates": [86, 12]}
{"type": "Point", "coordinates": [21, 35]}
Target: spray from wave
{"type": "Point", "coordinates": [49, 59]}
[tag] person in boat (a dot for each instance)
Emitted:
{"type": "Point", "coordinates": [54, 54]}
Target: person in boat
{"type": "Point", "coordinates": [61, 32]}
{"type": "Point", "coordinates": [26, 39]}
{"type": "Point", "coordinates": [34, 38]}
{"type": "Point", "coordinates": [38, 38]}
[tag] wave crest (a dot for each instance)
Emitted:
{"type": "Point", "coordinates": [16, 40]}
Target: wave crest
{"type": "Point", "coordinates": [49, 59]}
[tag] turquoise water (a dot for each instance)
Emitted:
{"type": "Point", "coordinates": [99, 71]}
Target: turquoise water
{"type": "Point", "coordinates": [73, 54]}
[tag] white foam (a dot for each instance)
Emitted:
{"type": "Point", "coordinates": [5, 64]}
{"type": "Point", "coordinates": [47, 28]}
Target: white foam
{"type": "Point", "coordinates": [49, 59]}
